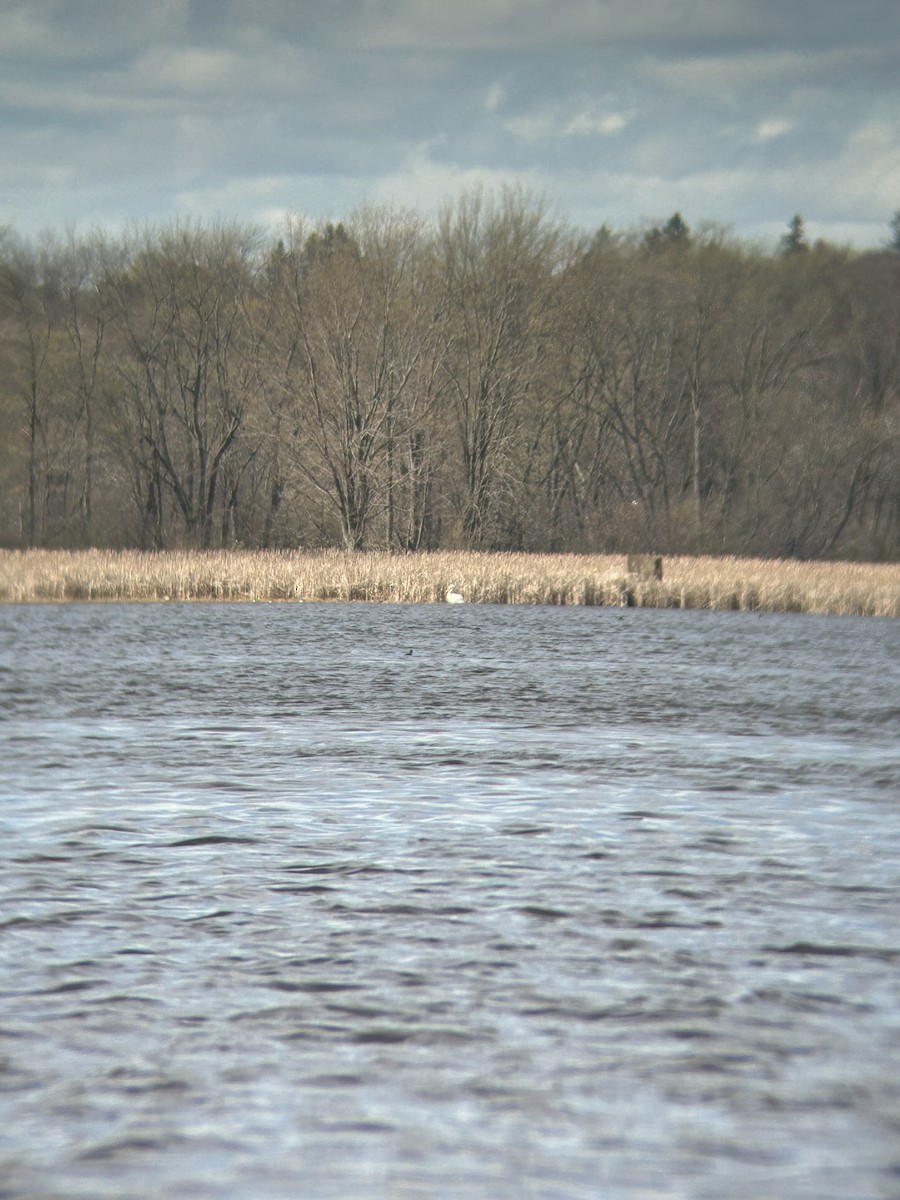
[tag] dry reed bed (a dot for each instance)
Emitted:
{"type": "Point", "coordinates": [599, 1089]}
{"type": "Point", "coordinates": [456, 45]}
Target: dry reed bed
{"type": "Point", "coordinates": [35, 576]}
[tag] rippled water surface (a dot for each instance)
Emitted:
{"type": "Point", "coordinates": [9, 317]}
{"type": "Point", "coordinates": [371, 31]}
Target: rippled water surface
{"type": "Point", "coordinates": [376, 902]}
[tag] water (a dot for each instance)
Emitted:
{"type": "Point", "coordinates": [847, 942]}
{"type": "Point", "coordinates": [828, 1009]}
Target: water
{"type": "Point", "coordinates": [373, 902]}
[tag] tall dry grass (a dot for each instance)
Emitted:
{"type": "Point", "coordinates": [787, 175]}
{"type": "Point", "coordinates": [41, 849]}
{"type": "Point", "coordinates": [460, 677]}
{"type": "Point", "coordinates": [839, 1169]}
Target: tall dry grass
{"type": "Point", "coordinates": [35, 576]}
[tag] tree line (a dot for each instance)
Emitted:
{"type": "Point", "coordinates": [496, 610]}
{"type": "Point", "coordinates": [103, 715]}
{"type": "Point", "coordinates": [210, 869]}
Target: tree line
{"type": "Point", "coordinates": [487, 379]}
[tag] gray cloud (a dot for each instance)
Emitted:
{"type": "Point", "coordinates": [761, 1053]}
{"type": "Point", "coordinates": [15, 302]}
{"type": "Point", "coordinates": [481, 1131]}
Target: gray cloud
{"type": "Point", "coordinates": [739, 111]}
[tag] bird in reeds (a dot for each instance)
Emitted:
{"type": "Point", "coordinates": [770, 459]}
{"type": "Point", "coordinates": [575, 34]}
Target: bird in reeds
{"type": "Point", "coordinates": [453, 596]}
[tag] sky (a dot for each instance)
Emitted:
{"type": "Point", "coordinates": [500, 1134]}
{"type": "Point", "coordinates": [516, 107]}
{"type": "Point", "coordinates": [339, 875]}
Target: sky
{"type": "Point", "coordinates": [739, 113]}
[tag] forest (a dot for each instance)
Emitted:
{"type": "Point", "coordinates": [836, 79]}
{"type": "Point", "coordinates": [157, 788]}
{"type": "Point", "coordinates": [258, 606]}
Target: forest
{"type": "Point", "coordinates": [488, 379]}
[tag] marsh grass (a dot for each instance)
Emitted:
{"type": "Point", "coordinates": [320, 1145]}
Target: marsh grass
{"type": "Point", "coordinates": [862, 589]}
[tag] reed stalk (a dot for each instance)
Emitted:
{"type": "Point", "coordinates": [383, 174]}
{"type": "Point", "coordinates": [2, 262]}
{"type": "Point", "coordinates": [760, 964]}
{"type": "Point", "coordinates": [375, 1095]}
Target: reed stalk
{"type": "Point", "coordinates": [39, 576]}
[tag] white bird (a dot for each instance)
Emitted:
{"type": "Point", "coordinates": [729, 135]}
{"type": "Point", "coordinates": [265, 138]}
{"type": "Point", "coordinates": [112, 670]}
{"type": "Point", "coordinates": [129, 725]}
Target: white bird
{"type": "Point", "coordinates": [452, 596]}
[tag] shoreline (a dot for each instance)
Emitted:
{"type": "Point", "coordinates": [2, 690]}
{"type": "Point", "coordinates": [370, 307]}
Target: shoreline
{"type": "Point", "coordinates": [614, 580]}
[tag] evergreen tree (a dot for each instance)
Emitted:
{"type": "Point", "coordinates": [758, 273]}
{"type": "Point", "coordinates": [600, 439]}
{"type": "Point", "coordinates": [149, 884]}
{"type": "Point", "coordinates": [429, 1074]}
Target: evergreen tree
{"type": "Point", "coordinates": [675, 234]}
{"type": "Point", "coordinates": [794, 241]}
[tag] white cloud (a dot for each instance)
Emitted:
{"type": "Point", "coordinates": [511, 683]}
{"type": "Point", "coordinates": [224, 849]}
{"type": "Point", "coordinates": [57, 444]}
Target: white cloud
{"type": "Point", "coordinates": [865, 177]}
{"type": "Point", "coordinates": [186, 70]}
{"type": "Point", "coordinates": [164, 79]}
{"type": "Point", "coordinates": [265, 199]}
{"type": "Point", "coordinates": [495, 97]}
{"type": "Point", "coordinates": [531, 129]}
{"type": "Point", "coordinates": [615, 110]}
{"type": "Point", "coordinates": [587, 122]}
{"type": "Point", "coordinates": [772, 128]}
{"type": "Point", "coordinates": [590, 124]}
{"type": "Point", "coordinates": [731, 74]}
{"type": "Point", "coordinates": [425, 185]}
{"type": "Point", "coordinates": [22, 32]}
{"type": "Point", "coordinates": [51, 32]}
{"type": "Point", "coordinates": [264, 68]}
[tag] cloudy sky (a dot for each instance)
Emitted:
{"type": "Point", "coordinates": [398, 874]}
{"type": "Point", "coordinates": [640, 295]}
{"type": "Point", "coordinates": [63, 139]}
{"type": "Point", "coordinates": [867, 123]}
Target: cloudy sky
{"type": "Point", "coordinates": [740, 112]}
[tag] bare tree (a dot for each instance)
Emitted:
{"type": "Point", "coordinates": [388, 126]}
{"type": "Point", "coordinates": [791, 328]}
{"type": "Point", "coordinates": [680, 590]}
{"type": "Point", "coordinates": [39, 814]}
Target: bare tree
{"type": "Point", "coordinates": [26, 343]}
{"type": "Point", "coordinates": [358, 337]}
{"type": "Point", "coordinates": [38, 361]}
{"type": "Point", "coordinates": [490, 380]}
{"type": "Point", "coordinates": [84, 313]}
{"type": "Point", "coordinates": [187, 365]}
{"type": "Point", "coordinates": [498, 258]}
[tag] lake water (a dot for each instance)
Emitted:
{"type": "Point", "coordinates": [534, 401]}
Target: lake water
{"type": "Point", "coordinates": [393, 903]}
